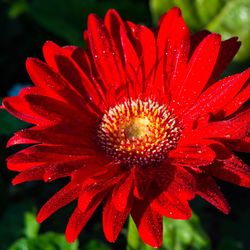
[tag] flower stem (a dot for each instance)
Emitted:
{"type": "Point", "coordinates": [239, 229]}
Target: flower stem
{"type": "Point", "coordinates": [133, 240]}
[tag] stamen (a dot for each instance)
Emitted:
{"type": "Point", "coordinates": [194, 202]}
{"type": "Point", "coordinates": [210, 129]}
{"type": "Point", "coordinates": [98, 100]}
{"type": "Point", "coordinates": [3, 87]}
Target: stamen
{"type": "Point", "coordinates": [139, 132]}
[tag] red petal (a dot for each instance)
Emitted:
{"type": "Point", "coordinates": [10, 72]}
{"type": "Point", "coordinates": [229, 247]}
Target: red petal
{"type": "Point", "coordinates": [55, 110]}
{"type": "Point", "coordinates": [166, 25]}
{"type": "Point", "coordinates": [49, 171]}
{"type": "Point", "coordinates": [113, 23]}
{"type": "Point", "coordinates": [172, 207]}
{"type": "Point", "coordinates": [50, 49]}
{"type": "Point", "coordinates": [227, 52]}
{"type": "Point", "coordinates": [89, 191]}
{"type": "Point", "coordinates": [79, 218]}
{"type": "Point", "coordinates": [242, 97]}
{"type": "Point", "coordinates": [82, 59]}
{"type": "Point", "coordinates": [182, 184]}
{"type": "Point", "coordinates": [32, 174]}
{"type": "Point", "coordinates": [166, 29]}
{"type": "Point", "coordinates": [141, 182]}
{"type": "Point", "coordinates": [242, 145]}
{"type": "Point", "coordinates": [89, 90]}
{"type": "Point", "coordinates": [164, 174]}
{"type": "Point", "coordinates": [105, 55]}
{"type": "Point", "coordinates": [132, 66]}
{"type": "Point", "coordinates": [113, 220]}
{"type": "Point", "coordinates": [44, 77]}
{"type": "Point", "coordinates": [208, 190]}
{"type": "Point", "coordinates": [230, 168]}
{"type": "Point", "coordinates": [148, 49]}
{"type": "Point", "coordinates": [192, 156]}
{"type": "Point", "coordinates": [63, 169]}
{"type": "Point", "coordinates": [100, 166]}
{"type": "Point", "coordinates": [173, 49]}
{"type": "Point", "coordinates": [233, 129]}
{"type": "Point", "coordinates": [37, 155]}
{"type": "Point", "coordinates": [121, 193]}
{"type": "Point", "coordinates": [218, 95]}
{"type": "Point", "coordinates": [98, 183]}
{"type": "Point", "coordinates": [177, 52]}
{"type": "Point", "coordinates": [67, 67]}
{"type": "Point", "coordinates": [148, 222]}
{"type": "Point", "coordinates": [62, 198]}
{"type": "Point", "coordinates": [61, 134]}
{"type": "Point", "coordinates": [197, 38]}
{"type": "Point", "coordinates": [21, 109]}
{"type": "Point", "coordinates": [198, 71]}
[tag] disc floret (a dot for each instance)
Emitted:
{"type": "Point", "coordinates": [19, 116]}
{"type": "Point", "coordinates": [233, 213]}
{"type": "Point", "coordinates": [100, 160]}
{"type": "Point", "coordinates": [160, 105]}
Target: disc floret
{"type": "Point", "coordinates": [139, 132]}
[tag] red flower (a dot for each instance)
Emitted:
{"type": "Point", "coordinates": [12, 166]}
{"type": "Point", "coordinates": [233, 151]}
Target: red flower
{"type": "Point", "coordinates": [139, 120]}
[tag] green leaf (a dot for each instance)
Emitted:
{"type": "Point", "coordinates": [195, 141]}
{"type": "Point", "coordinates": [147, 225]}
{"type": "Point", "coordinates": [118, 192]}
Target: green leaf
{"type": "Point", "coordinates": [227, 17]}
{"type": "Point", "coordinates": [177, 235]}
{"type": "Point", "coordinates": [206, 10]}
{"type": "Point", "coordinates": [31, 226]}
{"type": "Point", "coordinates": [158, 7]}
{"type": "Point", "coordinates": [53, 241]}
{"type": "Point", "coordinates": [48, 241]}
{"type": "Point", "coordinates": [185, 234]}
{"type": "Point", "coordinates": [21, 244]}
{"type": "Point", "coordinates": [17, 8]}
{"type": "Point", "coordinates": [133, 239]}
{"type": "Point", "coordinates": [234, 20]}
{"type": "Point", "coordinates": [9, 124]}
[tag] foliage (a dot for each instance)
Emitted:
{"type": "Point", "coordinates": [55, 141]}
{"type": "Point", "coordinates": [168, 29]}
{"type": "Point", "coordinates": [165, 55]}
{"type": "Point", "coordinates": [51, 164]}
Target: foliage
{"type": "Point", "coordinates": [177, 235]}
{"type": "Point", "coordinates": [227, 17]}
{"type": "Point", "coordinates": [33, 241]}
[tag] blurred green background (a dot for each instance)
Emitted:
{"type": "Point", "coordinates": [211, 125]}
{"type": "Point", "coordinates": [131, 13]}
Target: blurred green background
{"type": "Point", "coordinates": [25, 26]}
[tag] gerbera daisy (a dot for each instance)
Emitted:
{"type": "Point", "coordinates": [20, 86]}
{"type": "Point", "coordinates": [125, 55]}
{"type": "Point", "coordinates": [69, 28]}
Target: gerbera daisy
{"type": "Point", "coordinates": [138, 121]}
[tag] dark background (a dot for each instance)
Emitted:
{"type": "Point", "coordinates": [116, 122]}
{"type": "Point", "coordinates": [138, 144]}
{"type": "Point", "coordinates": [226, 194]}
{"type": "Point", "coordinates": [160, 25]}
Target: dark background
{"type": "Point", "coordinates": [25, 26]}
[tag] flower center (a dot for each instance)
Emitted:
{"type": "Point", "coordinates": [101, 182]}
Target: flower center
{"type": "Point", "coordinates": [139, 132]}
{"type": "Point", "coordinates": [137, 127]}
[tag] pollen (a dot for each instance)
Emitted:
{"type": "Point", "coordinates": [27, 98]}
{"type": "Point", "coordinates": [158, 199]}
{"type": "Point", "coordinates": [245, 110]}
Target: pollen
{"type": "Point", "coordinates": [139, 132]}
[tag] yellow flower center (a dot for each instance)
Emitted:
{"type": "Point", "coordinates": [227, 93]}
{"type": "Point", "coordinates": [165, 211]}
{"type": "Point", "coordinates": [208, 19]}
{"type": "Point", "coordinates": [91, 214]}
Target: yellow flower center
{"type": "Point", "coordinates": [139, 132]}
{"type": "Point", "coordinates": [137, 127]}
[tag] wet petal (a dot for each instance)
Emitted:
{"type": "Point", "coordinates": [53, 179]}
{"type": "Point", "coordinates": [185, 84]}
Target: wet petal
{"type": "Point", "coordinates": [113, 219]}
{"type": "Point", "coordinates": [121, 193]}
{"type": "Point", "coordinates": [62, 198]}
{"type": "Point", "coordinates": [192, 156]}
{"type": "Point", "coordinates": [209, 190]}
{"type": "Point", "coordinates": [198, 71]}
{"type": "Point", "coordinates": [172, 207]}
{"type": "Point", "coordinates": [148, 222]}
{"type": "Point", "coordinates": [79, 218]}
{"type": "Point", "coordinates": [229, 167]}
{"type": "Point", "coordinates": [218, 95]}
